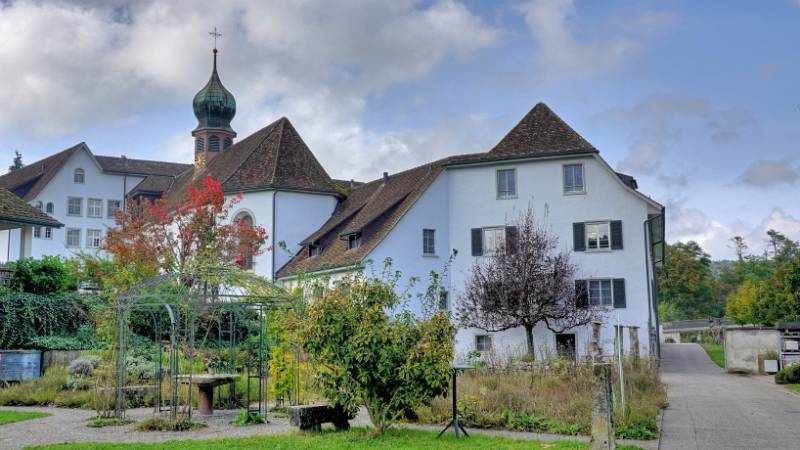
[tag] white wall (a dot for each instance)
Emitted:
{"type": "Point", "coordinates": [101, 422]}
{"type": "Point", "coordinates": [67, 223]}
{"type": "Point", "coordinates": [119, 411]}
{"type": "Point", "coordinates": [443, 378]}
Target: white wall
{"type": "Point", "coordinates": [474, 204]}
{"type": "Point", "coordinates": [297, 216]}
{"type": "Point", "coordinates": [259, 205]}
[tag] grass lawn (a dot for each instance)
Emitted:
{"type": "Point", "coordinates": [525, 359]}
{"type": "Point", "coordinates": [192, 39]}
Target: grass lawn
{"type": "Point", "coordinates": [357, 438]}
{"type": "Point", "coordinates": [716, 353]}
{"type": "Point", "coordinates": [18, 416]}
{"type": "Point", "coordinates": [793, 387]}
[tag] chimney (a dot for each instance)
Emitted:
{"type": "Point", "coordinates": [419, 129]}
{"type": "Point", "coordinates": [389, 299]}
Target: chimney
{"type": "Point", "coordinates": [385, 177]}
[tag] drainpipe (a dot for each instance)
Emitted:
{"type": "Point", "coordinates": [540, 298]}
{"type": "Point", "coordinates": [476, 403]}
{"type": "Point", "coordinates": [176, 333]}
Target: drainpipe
{"type": "Point", "coordinates": [274, 243]}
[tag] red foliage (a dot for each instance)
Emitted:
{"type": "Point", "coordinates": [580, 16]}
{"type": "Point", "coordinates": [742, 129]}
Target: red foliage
{"type": "Point", "coordinates": [153, 233]}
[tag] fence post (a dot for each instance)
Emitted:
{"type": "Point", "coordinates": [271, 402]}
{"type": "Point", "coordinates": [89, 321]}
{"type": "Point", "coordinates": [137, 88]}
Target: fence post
{"type": "Point", "coordinates": [602, 409]}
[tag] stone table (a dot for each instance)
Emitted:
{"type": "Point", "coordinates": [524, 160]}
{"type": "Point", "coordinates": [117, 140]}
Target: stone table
{"type": "Point", "coordinates": [206, 382]}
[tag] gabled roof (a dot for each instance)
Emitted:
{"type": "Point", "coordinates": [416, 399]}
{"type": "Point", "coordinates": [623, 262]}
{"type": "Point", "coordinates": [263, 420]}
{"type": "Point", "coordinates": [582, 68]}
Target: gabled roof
{"type": "Point", "coordinates": [29, 181]}
{"type": "Point", "coordinates": [140, 166]}
{"type": "Point", "coordinates": [274, 157]}
{"type": "Point", "coordinates": [14, 210]}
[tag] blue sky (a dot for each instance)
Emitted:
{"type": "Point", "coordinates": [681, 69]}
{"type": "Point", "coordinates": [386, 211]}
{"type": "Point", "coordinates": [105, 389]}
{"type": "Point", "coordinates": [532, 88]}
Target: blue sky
{"type": "Point", "coordinates": [698, 100]}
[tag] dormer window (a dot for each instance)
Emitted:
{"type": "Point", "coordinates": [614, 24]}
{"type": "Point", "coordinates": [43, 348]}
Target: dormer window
{"type": "Point", "coordinates": [353, 241]}
{"type": "Point", "coordinates": [213, 144]}
{"type": "Point", "coordinates": [79, 176]}
{"type": "Point", "coordinates": [314, 249]}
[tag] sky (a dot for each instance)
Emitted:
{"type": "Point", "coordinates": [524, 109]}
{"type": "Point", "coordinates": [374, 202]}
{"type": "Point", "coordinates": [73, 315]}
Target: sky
{"type": "Point", "coordinates": [700, 101]}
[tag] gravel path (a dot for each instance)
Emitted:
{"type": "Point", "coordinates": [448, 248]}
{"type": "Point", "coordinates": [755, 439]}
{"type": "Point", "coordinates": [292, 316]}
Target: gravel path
{"type": "Point", "coordinates": [710, 409]}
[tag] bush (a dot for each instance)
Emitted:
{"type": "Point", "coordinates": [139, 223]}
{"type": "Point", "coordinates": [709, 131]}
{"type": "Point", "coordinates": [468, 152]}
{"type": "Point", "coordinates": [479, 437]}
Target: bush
{"type": "Point", "coordinates": [789, 375]}
{"type": "Point", "coordinates": [83, 366]}
{"type": "Point", "coordinates": [162, 424]}
{"type": "Point", "coordinates": [42, 276]}
{"type": "Point", "coordinates": [249, 418]}
{"type": "Point", "coordinates": [26, 319]}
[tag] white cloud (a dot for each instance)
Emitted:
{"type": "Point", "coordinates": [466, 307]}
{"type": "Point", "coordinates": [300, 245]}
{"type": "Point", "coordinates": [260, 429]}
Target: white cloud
{"type": "Point", "coordinates": [560, 52]}
{"type": "Point", "coordinates": [769, 173]}
{"type": "Point", "coordinates": [644, 158]}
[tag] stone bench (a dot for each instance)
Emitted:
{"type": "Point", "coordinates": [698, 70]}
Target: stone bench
{"type": "Point", "coordinates": [311, 417]}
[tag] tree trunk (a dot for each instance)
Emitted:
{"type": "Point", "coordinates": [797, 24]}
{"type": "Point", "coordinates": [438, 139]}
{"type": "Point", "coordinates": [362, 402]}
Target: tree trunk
{"type": "Point", "coordinates": [529, 336]}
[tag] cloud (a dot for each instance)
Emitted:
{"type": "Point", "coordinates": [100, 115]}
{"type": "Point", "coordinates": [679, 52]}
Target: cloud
{"type": "Point", "coordinates": [765, 174]}
{"type": "Point", "coordinates": [726, 125]}
{"type": "Point", "coordinates": [96, 63]}
{"type": "Point", "coordinates": [644, 158]}
{"type": "Point", "coordinates": [560, 52]}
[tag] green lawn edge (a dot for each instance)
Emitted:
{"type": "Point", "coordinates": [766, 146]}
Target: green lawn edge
{"type": "Point", "coordinates": [8, 416]}
{"type": "Point", "coordinates": [360, 438]}
{"type": "Point", "coordinates": [716, 352]}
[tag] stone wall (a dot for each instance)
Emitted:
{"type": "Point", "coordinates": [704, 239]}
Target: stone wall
{"type": "Point", "coordinates": [743, 345]}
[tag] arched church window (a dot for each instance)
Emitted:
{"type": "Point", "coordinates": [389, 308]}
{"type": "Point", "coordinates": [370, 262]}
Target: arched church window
{"type": "Point", "coordinates": [198, 145]}
{"type": "Point", "coordinates": [228, 142]}
{"type": "Point", "coordinates": [213, 144]}
{"type": "Point", "coordinates": [79, 176]}
{"type": "Point", "coordinates": [246, 256]}
{"type": "Point", "coordinates": [50, 208]}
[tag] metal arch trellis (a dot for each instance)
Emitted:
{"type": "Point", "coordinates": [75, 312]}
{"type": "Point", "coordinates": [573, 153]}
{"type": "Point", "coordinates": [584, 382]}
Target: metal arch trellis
{"type": "Point", "coordinates": [178, 301]}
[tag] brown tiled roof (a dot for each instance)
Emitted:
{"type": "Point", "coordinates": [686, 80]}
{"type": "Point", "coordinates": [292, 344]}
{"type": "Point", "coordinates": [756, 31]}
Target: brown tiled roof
{"type": "Point", "coordinates": [13, 209]}
{"type": "Point", "coordinates": [141, 166]}
{"type": "Point", "coordinates": [29, 181]}
{"type": "Point", "coordinates": [154, 183]}
{"type": "Point", "coordinates": [346, 185]}
{"type": "Point", "coordinates": [371, 209]}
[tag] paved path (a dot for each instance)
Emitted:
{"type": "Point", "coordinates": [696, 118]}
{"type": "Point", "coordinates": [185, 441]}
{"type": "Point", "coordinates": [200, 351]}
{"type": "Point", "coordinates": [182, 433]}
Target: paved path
{"type": "Point", "coordinates": [710, 409]}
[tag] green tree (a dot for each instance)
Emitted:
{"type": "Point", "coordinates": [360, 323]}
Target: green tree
{"type": "Point", "coordinates": [390, 364]}
{"type": "Point", "coordinates": [686, 285]}
{"type": "Point", "coordinates": [17, 163]}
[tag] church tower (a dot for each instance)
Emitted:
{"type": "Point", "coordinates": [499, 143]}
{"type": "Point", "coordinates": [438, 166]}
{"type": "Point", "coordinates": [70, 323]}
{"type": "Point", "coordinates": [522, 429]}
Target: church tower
{"type": "Point", "coordinates": [214, 107]}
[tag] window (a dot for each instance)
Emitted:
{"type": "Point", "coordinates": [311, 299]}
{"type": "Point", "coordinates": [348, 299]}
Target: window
{"type": "Point", "coordinates": [483, 342]}
{"type": "Point", "coordinates": [600, 293]}
{"type": "Point", "coordinates": [73, 237]}
{"type": "Point", "coordinates": [50, 208]}
{"type": "Point", "coordinates": [227, 142]}
{"type": "Point", "coordinates": [198, 145]}
{"type": "Point", "coordinates": [37, 232]}
{"type": "Point", "coordinates": [494, 240]}
{"type": "Point", "coordinates": [314, 250]}
{"type": "Point", "coordinates": [111, 208]}
{"type": "Point", "coordinates": [79, 176]}
{"type": "Point", "coordinates": [573, 179]}
{"type": "Point", "coordinates": [93, 238]}
{"type": "Point", "coordinates": [353, 241]}
{"type": "Point", "coordinates": [598, 236]}
{"type": "Point", "coordinates": [246, 257]}
{"type": "Point", "coordinates": [74, 206]}
{"type": "Point", "coordinates": [428, 242]}
{"type": "Point", "coordinates": [94, 207]}
{"type": "Point", "coordinates": [48, 233]}
{"type": "Point", "coordinates": [507, 183]}
{"type": "Point", "coordinates": [213, 143]}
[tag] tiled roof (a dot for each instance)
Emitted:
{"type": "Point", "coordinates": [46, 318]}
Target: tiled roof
{"type": "Point", "coordinates": [13, 209]}
{"type": "Point", "coordinates": [154, 183]}
{"type": "Point", "coordinates": [274, 157]}
{"type": "Point", "coordinates": [141, 166]}
{"type": "Point", "coordinates": [29, 181]}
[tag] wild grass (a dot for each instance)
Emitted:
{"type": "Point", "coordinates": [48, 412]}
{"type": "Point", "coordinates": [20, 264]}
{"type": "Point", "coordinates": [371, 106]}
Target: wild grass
{"type": "Point", "coordinates": [554, 400]}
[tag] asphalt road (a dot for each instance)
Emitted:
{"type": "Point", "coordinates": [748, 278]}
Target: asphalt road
{"type": "Point", "coordinates": [710, 409]}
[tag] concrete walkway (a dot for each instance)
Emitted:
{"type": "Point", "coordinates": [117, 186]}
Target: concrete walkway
{"type": "Point", "coordinates": [710, 409]}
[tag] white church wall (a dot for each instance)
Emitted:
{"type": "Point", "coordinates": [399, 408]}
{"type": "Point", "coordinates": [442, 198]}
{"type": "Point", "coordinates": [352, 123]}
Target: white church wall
{"type": "Point", "coordinates": [260, 206]}
{"type": "Point", "coordinates": [297, 216]}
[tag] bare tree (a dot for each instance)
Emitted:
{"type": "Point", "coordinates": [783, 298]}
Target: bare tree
{"type": "Point", "coordinates": [739, 246]}
{"type": "Point", "coordinates": [526, 282]}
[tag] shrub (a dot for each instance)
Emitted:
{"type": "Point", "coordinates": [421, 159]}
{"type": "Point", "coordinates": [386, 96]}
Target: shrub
{"type": "Point", "coordinates": [26, 319]}
{"type": "Point", "coordinates": [789, 375]}
{"type": "Point", "coordinates": [162, 424]}
{"type": "Point", "coordinates": [83, 366]}
{"type": "Point", "coordinates": [248, 418]}
{"type": "Point", "coordinates": [42, 276]}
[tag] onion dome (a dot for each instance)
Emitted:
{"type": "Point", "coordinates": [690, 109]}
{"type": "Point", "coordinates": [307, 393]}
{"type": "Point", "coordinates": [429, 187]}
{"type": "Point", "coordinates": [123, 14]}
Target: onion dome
{"type": "Point", "coordinates": [214, 106]}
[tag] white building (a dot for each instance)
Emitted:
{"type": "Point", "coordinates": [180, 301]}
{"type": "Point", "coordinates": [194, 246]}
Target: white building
{"type": "Point", "coordinates": [417, 217]}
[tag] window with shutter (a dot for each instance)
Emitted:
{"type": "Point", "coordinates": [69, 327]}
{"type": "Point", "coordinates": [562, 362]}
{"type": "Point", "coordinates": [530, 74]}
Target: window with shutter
{"type": "Point", "coordinates": [512, 239]}
{"type": "Point", "coordinates": [619, 293]}
{"type": "Point", "coordinates": [477, 242]}
{"type": "Point", "coordinates": [581, 294]}
{"type": "Point", "coordinates": [616, 235]}
{"type": "Point", "coordinates": [579, 236]}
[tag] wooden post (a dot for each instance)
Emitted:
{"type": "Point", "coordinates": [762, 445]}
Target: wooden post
{"type": "Point", "coordinates": [602, 410]}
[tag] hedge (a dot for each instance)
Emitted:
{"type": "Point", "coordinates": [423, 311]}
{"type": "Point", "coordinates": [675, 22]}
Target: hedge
{"type": "Point", "coordinates": [26, 318]}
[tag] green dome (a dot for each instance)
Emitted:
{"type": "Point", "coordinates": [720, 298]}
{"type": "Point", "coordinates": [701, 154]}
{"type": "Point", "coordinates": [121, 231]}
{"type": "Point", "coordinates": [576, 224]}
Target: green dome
{"type": "Point", "coordinates": [214, 106]}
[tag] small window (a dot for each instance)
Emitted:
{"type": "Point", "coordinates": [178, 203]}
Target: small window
{"type": "Point", "coordinates": [93, 238]}
{"type": "Point", "coordinates": [227, 142]}
{"type": "Point", "coordinates": [199, 145]}
{"type": "Point", "coordinates": [428, 242]}
{"type": "Point", "coordinates": [353, 241]}
{"type": "Point", "coordinates": [37, 232]}
{"type": "Point", "coordinates": [48, 233]}
{"type": "Point", "coordinates": [79, 176]}
{"type": "Point", "coordinates": [598, 236]}
{"type": "Point", "coordinates": [494, 240]}
{"type": "Point", "coordinates": [213, 143]}
{"type": "Point", "coordinates": [573, 179]}
{"type": "Point", "coordinates": [50, 208]}
{"type": "Point", "coordinates": [94, 207]}
{"type": "Point", "coordinates": [74, 206]}
{"type": "Point", "coordinates": [314, 250]}
{"type": "Point", "coordinates": [111, 208]}
{"type": "Point", "coordinates": [506, 183]}
{"type": "Point", "coordinates": [600, 293]}
{"type": "Point", "coordinates": [483, 342]}
{"type": "Point", "coordinates": [73, 237]}
{"type": "Point", "coordinates": [444, 300]}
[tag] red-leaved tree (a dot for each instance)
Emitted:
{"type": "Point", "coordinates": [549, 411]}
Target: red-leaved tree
{"type": "Point", "coordinates": [526, 282]}
{"type": "Point", "coordinates": [197, 231]}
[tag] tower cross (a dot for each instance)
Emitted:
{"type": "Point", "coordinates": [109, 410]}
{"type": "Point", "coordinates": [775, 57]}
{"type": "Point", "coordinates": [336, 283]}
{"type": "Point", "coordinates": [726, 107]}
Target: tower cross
{"type": "Point", "coordinates": [216, 35]}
